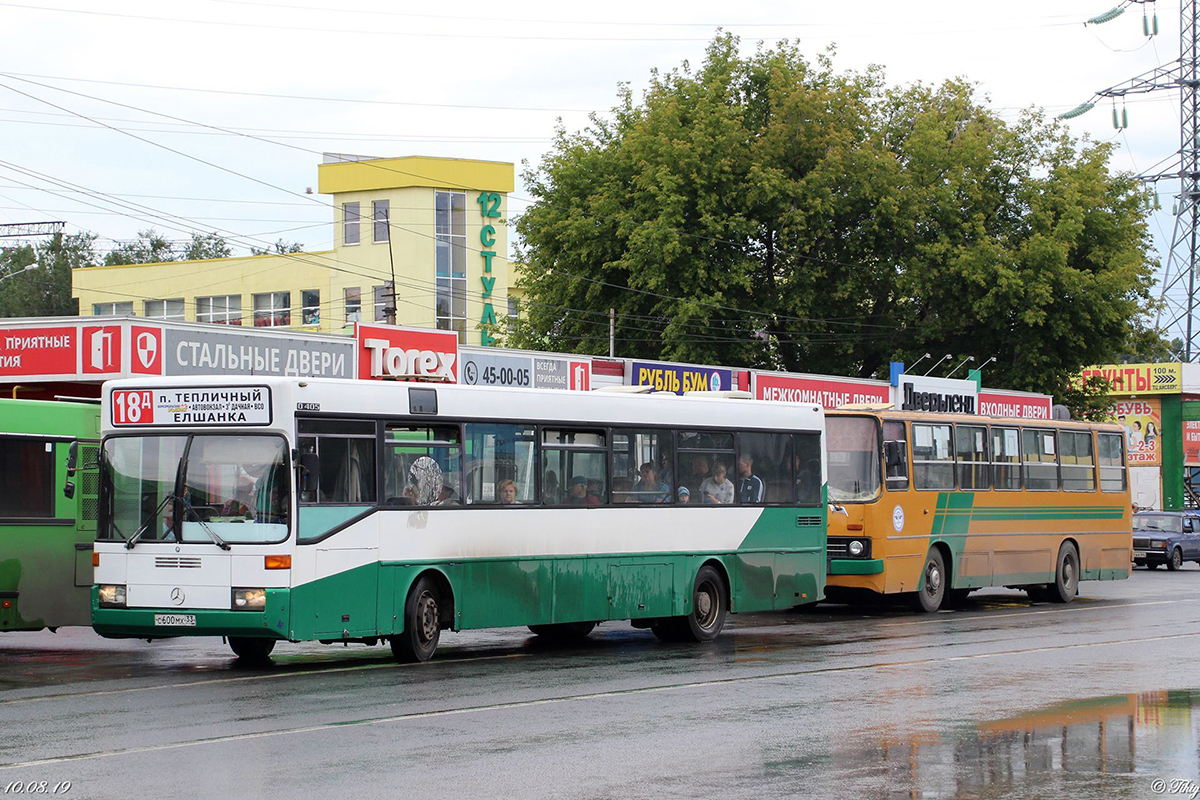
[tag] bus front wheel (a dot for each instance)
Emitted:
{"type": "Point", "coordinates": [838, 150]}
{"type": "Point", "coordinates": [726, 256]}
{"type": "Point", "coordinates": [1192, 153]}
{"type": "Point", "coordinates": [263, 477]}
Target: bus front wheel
{"type": "Point", "coordinates": [251, 649]}
{"type": "Point", "coordinates": [1066, 576]}
{"type": "Point", "coordinates": [422, 625]}
{"type": "Point", "coordinates": [932, 587]}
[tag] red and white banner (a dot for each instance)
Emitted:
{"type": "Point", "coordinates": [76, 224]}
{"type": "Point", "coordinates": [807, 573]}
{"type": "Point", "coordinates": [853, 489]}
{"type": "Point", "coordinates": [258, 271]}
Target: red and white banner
{"type": "Point", "coordinates": [146, 357]}
{"type": "Point", "coordinates": [38, 351]}
{"type": "Point", "coordinates": [387, 351]}
{"type": "Point", "coordinates": [818, 391]}
{"type": "Point", "coordinates": [101, 350]}
{"type": "Point", "coordinates": [1017, 405]}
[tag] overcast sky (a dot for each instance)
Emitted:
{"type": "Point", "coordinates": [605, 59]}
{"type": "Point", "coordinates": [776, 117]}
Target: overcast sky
{"type": "Point", "coordinates": [470, 80]}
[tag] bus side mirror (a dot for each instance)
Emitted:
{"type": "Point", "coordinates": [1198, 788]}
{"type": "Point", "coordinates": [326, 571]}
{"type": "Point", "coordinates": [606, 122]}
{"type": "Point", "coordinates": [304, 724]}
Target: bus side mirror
{"type": "Point", "coordinates": [69, 490]}
{"type": "Point", "coordinates": [893, 453]}
{"type": "Point", "coordinates": [310, 467]}
{"type": "Point", "coordinates": [72, 459]}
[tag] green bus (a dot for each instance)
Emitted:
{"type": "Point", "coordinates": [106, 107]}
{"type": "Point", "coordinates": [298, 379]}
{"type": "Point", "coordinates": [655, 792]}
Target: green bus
{"type": "Point", "coordinates": [46, 537]}
{"type": "Point", "coordinates": [274, 509]}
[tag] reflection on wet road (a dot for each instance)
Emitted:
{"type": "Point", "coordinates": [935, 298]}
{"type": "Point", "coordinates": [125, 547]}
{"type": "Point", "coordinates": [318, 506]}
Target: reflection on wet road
{"type": "Point", "coordinates": [1004, 698]}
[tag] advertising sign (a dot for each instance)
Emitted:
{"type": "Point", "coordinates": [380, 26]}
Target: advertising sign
{"type": "Point", "coordinates": [229, 352]}
{"type": "Point", "coordinates": [1015, 404]}
{"type": "Point", "coordinates": [678, 379]}
{"type": "Point", "coordinates": [818, 391]}
{"type": "Point", "coordinates": [1191, 443]}
{"type": "Point", "coordinates": [388, 351]}
{"type": "Point", "coordinates": [1140, 378]}
{"type": "Point", "coordinates": [38, 351]}
{"type": "Point", "coordinates": [921, 393]}
{"type": "Point", "coordinates": [216, 405]}
{"type": "Point", "coordinates": [146, 357]}
{"type": "Point", "coordinates": [1142, 421]}
{"type": "Point", "coordinates": [537, 372]}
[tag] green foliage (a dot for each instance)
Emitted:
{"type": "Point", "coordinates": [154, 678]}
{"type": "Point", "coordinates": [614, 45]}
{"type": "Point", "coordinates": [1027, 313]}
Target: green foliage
{"type": "Point", "coordinates": [772, 212]}
{"type": "Point", "coordinates": [207, 245]}
{"type": "Point", "coordinates": [280, 247]}
{"type": "Point", "coordinates": [150, 248]}
{"type": "Point", "coordinates": [46, 290]}
{"type": "Point", "coordinates": [1087, 400]}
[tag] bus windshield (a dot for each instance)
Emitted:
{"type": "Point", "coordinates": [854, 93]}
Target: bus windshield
{"type": "Point", "coordinates": [231, 489]}
{"type": "Point", "coordinates": [854, 472]}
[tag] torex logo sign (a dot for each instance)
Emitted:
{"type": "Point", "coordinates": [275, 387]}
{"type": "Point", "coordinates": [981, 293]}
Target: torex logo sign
{"type": "Point", "coordinates": [385, 351]}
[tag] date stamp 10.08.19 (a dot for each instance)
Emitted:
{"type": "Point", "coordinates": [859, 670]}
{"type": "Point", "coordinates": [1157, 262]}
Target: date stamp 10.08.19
{"type": "Point", "coordinates": [35, 787]}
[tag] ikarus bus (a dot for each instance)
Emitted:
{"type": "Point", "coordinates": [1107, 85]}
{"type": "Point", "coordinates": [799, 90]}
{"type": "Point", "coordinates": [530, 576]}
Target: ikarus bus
{"type": "Point", "coordinates": [273, 509]}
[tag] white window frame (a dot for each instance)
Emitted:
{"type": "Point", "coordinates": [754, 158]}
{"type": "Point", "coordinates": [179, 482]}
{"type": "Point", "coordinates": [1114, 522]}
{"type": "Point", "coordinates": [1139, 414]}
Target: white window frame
{"type": "Point", "coordinates": [381, 222]}
{"type": "Point", "coordinates": [178, 316]}
{"type": "Point", "coordinates": [351, 221]}
{"type": "Point", "coordinates": [280, 304]}
{"type": "Point", "coordinates": [219, 309]}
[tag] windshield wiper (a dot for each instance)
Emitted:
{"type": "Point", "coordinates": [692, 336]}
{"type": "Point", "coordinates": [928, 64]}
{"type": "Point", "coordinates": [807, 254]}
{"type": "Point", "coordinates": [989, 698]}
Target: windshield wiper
{"type": "Point", "coordinates": [221, 543]}
{"type": "Point", "coordinates": [153, 516]}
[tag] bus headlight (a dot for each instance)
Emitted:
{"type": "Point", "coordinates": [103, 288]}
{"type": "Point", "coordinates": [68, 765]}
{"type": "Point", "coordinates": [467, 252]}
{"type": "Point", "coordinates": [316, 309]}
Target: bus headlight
{"type": "Point", "coordinates": [112, 595]}
{"type": "Point", "coordinates": [249, 599]}
{"type": "Point", "coordinates": [856, 548]}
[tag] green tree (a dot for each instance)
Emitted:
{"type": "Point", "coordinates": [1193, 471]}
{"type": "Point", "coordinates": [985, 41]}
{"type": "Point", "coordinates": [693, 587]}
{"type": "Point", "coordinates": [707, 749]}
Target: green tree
{"type": "Point", "coordinates": [45, 290]}
{"type": "Point", "coordinates": [207, 245]}
{"type": "Point", "coordinates": [149, 248]}
{"type": "Point", "coordinates": [769, 211]}
{"type": "Point", "coordinates": [280, 247]}
{"type": "Point", "coordinates": [1087, 400]}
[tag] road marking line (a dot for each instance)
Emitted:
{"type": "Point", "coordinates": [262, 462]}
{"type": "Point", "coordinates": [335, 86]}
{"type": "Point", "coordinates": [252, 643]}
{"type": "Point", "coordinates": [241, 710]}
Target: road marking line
{"type": "Point", "coordinates": [566, 699]}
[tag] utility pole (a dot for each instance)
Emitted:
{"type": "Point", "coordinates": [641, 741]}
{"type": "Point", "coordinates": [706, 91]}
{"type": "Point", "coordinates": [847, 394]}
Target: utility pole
{"type": "Point", "coordinates": [389, 311]}
{"type": "Point", "coordinates": [1180, 305]}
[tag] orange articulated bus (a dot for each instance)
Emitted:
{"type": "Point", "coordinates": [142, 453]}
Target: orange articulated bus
{"type": "Point", "coordinates": [935, 505]}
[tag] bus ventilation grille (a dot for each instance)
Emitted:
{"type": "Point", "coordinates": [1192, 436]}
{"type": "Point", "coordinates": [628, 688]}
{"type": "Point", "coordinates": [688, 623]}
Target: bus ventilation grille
{"type": "Point", "coordinates": [177, 562]}
{"type": "Point", "coordinates": [90, 509]}
{"type": "Point", "coordinates": [808, 522]}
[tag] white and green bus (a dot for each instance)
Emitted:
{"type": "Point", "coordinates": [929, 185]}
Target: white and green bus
{"type": "Point", "coordinates": [268, 509]}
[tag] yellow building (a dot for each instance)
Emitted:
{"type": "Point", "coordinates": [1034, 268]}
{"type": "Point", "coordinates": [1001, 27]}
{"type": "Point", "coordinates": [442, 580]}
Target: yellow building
{"type": "Point", "coordinates": [444, 221]}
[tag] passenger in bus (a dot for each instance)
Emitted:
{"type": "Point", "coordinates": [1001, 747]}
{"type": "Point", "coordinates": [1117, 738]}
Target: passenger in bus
{"type": "Point", "coordinates": [578, 494]}
{"type": "Point", "coordinates": [699, 468]}
{"type": "Point", "coordinates": [425, 479]}
{"type": "Point", "coordinates": [623, 490]}
{"type": "Point", "coordinates": [665, 473]}
{"type": "Point", "coordinates": [506, 490]}
{"type": "Point", "coordinates": [551, 491]}
{"type": "Point", "coordinates": [750, 486]}
{"type": "Point", "coordinates": [717, 488]}
{"type": "Point", "coordinates": [650, 489]}
{"type": "Point", "coordinates": [684, 496]}
{"type": "Point", "coordinates": [448, 496]}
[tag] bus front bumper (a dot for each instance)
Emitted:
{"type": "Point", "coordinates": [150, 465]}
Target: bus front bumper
{"type": "Point", "coordinates": [158, 623]}
{"type": "Point", "coordinates": [855, 566]}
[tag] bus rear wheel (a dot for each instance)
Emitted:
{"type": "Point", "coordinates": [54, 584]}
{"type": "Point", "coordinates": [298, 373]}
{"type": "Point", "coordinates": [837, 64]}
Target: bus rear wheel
{"type": "Point", "coordinates": [564, 631]}
{"type": "Point", "coordinates": [251, 649]}
{"type": "Point", "coordinates": [422, 625]}
{"type": "Point", "coordinates": [932, 588]}
{"type": "Point", "coordinates": [1066, 575]}
{"type": "Point", "coordinates": [710, 604]}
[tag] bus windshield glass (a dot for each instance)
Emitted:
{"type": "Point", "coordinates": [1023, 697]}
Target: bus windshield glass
{"type": "Point", "coordinates": [854, 471]}
{"type": "Point", "coordinates": [231, 488]}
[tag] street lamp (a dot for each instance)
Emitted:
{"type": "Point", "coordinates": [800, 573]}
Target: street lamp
{"type": "Point", "coordinates": [960, 366]}
{"type": "Point", "coordinates": [940, 360]}
{"type": "Point", "coordinates": [21, 271]}
{"type": "Point", "coordinates": [918, 361]}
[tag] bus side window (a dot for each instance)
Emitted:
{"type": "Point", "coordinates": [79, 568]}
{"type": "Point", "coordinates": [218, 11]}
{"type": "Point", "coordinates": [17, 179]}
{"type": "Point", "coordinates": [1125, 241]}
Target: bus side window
{"type": "Point", "coordinates": [895, 452]}
{"type": "Point", "coordinates": [1039, 456]}
{"type": "Point", "coordinates": [422, 466]}
{"type": "Point", "coordinates": [933, 457]}
{"type": "Point", "coordinates": [972, 451]}
{"type": "Point", "coordinates": [499, 453]}
{"type": "Point", "coordinates": [577, 458]}
{"type": "Point", "coordinates": [26, 478]}
{"type": "Point", "coordinates": [1006, 459]}
{"type": "Point", "coordinates": [1110, 449]}
{"type": "Point", "coordinates": [345, 451]}
{"type": "Point", "coordinates": [768, 456]}
{"type": "Point", "coordinates": [1078, 466]}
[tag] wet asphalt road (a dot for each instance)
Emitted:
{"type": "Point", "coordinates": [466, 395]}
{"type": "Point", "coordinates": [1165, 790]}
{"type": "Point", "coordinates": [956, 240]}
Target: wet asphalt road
{"type": "Point", "coordinates": [1004, 698]}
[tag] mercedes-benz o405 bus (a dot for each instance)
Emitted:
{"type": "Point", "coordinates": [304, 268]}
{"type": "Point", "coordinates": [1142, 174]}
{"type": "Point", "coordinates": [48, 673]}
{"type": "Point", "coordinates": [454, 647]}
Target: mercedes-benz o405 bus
{"type": "Point", "coordinates": [269, 509]}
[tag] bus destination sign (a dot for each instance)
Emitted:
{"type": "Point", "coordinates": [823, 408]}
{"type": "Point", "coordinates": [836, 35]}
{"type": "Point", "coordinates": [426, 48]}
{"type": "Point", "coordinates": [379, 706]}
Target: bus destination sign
{"type": "Point", "coordinates": [193, 406]}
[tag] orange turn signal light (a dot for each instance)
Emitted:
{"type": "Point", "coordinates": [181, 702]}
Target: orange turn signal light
{"type": "Point", "coordinates": [5, 603]}
{"type": "Point", "coordinates": [95, 559]}
{"type": "Point", "coordinates": [854, 526]}
{"type": "Point", "coordinates": [277, 562]}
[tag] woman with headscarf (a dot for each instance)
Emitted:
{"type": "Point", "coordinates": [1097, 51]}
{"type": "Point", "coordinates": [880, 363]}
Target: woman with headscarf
{"type": "Point", "coordinates": [425, 478]}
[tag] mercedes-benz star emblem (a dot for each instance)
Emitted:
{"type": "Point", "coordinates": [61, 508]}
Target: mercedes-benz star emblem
{"type": "Point", "coordinates": [177, 596]}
